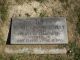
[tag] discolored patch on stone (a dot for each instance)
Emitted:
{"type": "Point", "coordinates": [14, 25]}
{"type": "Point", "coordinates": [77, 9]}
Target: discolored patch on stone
{"type": "Point", "coordinates": [48, 30]}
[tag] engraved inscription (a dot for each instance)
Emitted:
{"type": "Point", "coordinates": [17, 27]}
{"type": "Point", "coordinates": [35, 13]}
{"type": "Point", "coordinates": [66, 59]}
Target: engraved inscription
{"type": "Point", "coordinates": [39, 31]}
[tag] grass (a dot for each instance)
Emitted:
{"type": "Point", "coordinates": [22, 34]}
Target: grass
{"type": "Point", "coordinates": [27, 14]}
{"type": "Point", "coordinates": [37, 57]}
{"type": "Point", "coordinates": [41, 1]}
{"type": "Point", "coordinates": [31, 57]}
{"type": "Point", "coordinates": [4, 10]}
{"type": "Point", "coordinates": [1, 40]}
{"type": "Point", "coordinates": [65, 4]}
{"type": "Point", "coordinates": [74, 48]}
{"type": "Point", "coordinates": [78, 22]}
{"type": "Point", "coordinates": [78, 26]}
{"type": "Point", "coordinates": [3, 16]}
{"type": "Point", "coordinates": [77, 49]}
{"type": "Point", "coordinates": [4, 13]}
{"type": "Point", "coordinates": [77, 54]}
{"type": "Point", "coordinates": [20, 2]}
{"type": "Point", "coordinates": [43, 14]}
{"type": "Point", "coordinates": [63, 1]}
{"type": "Point", "coordinates": [13, 58]}
{"type": "Point", "coordinates": [35, 9]}
{"type": "Point", "coordinates": [2, 57]}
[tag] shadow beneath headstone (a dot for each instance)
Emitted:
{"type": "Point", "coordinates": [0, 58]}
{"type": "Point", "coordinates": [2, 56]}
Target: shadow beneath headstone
{"type": "Point", "coordinates": [9, 34]}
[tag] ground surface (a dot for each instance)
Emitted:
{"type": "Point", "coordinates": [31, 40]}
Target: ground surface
{"type": "Point", "coordinates": [41, 8]}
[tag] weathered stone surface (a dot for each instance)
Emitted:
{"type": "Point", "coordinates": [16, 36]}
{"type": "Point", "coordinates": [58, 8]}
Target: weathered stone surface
{"type": "Point", "coordinates": [36, 51]}
{"type": "Point", "coordinates": [39, 31]}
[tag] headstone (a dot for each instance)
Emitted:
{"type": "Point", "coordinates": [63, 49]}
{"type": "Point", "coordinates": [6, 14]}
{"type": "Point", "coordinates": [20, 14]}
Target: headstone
{"type": "Point", "coordinates": [48, 30]}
